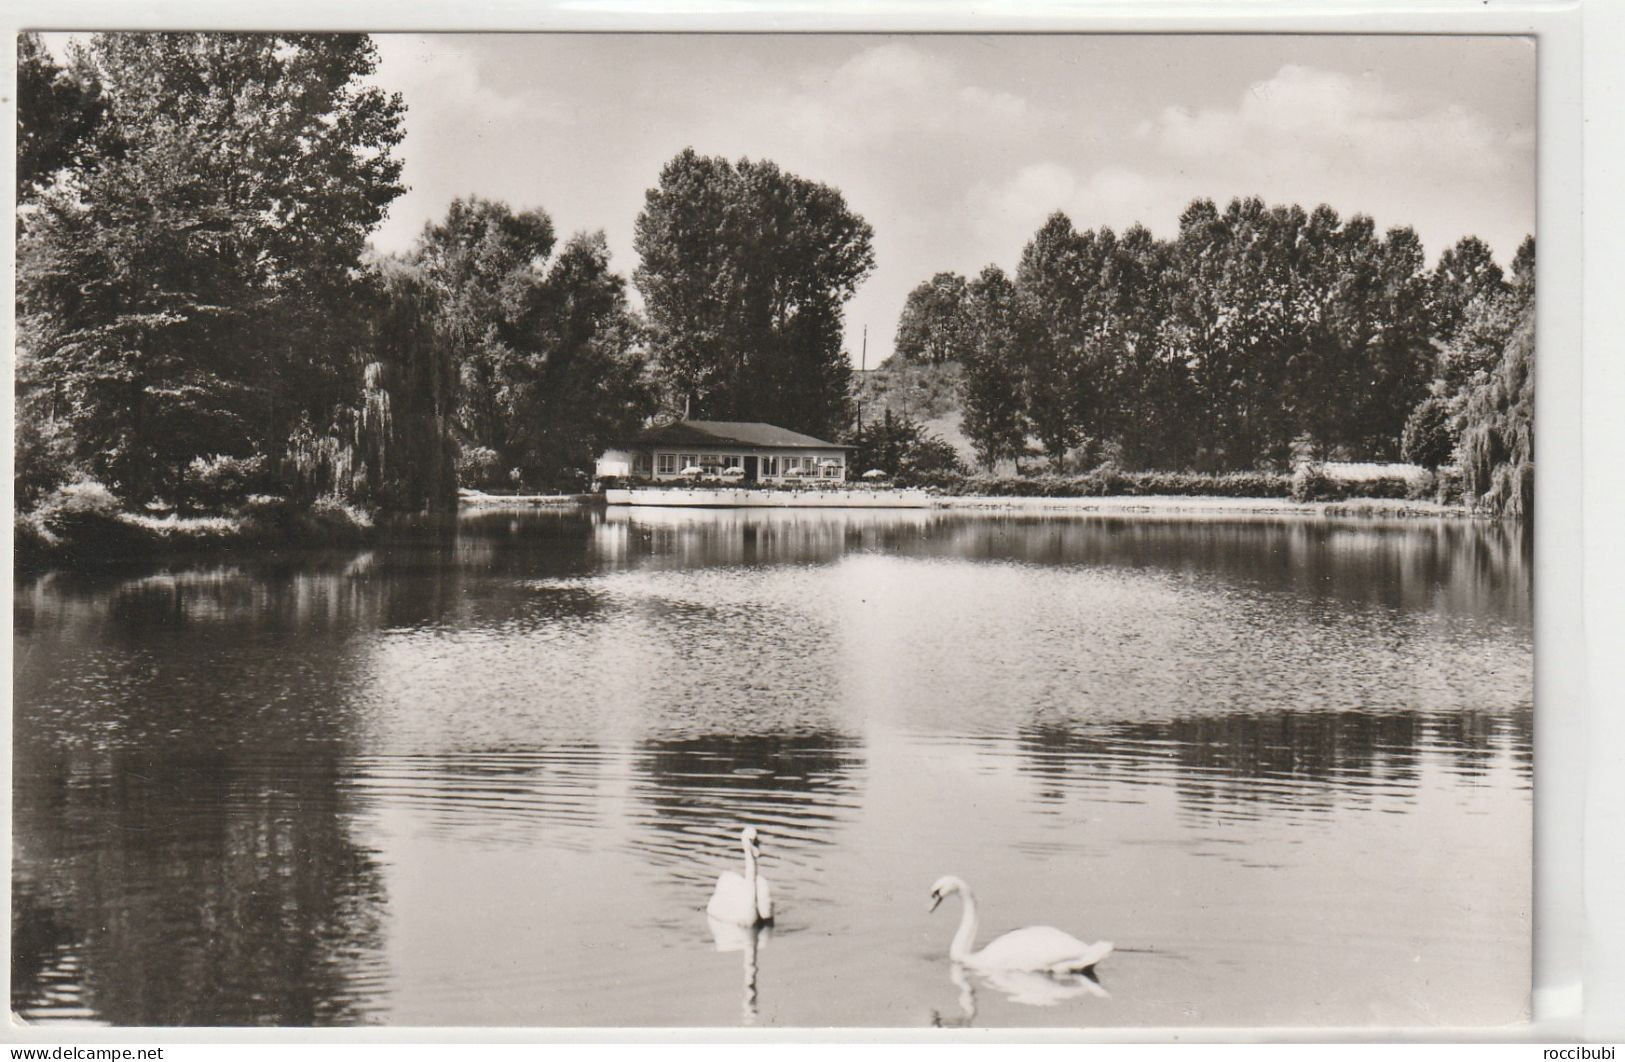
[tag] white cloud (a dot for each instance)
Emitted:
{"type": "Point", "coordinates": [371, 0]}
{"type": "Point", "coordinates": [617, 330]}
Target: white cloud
{"type": "Point", "coordinates": [1308, 114]}
{"type": "Point", "coordinates": [1008, 213]}
{"type": "Point", "coordinates": [1303, 136]}
{"type": "Point", "coordinates": [436, 67]}
{"type": "Point", "coordinates": [459, 130]}
{"type": "Point", "coordinates": [891, 90]}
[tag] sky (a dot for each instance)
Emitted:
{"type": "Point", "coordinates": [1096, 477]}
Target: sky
{"type": "Point", "coordinates": [955, 148]}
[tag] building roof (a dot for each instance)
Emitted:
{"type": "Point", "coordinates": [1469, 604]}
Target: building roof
{"type": "Point", "coordinates": [729, 433]}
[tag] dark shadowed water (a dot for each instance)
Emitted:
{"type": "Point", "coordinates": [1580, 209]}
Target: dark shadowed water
{"type": "Point", "coordinates": [486, 774]}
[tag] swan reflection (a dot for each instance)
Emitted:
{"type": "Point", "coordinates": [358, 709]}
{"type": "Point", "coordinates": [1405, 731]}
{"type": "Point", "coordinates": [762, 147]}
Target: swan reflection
{"type": "Point", "coordinates": [1032, 988]}
{"type": "Point", "coordinates": [749, 940]}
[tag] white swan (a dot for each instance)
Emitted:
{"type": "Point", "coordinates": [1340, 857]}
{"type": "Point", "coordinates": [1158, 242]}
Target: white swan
{"type": "Point", "coordinates": [1034, 948]}
{"type": "Point", "coordinates": [743, 901]}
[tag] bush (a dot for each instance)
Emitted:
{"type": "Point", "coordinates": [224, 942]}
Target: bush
{"type": "Point", "coordinates": [339, 510]}
{"type": "Point", "coordinates": [82, 518]}
{"type": "Point", "coordinates": [222, 481]}
{"type": "Point", "coordinates": [479, 466]}
{"type": "Point", "coordinates": [1310, 483]}
{"type": "Point", "coordinates": [43, 458]}
{"type": "Point", "coordinates": [1111, 481]}
{"type": "Point", "coordinates": [1428, 439]}
{"type": "Point", "coordinates": [1316, 483]}
{"type": "Point", "coordinates": [1452, 486]}
{"type": "Point", "coordinates": [1423, 488]}
{"type": "Point", "coordinates": [902, 448]}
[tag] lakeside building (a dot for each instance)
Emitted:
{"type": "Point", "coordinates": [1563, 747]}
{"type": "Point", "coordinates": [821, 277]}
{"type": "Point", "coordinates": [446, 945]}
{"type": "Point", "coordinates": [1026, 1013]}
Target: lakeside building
{"type": "Point", "coordinates": [746, 451]}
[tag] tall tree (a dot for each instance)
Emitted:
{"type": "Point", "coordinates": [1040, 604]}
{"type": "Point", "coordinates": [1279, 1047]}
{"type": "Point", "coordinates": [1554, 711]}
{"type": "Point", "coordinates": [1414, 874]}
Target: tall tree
{"type": "Point", "coordinates": [587, 385]}
{"type": "Point", "coordinates": [191, 286]}
{"type": "Point", "coordinates": [1400, 355]}
{"type": "Point", "coordinates": [990, 390]}
{"type": "Point", "coordinates": [57, 111]}
{"type": "Point", "coordinates": [935, 325]}
{"type": "Point", "coordinates": [1150, 395]}
{"type": "Point", "coordinates": [745, 271]}
{"type": "Point", "coordinates": [1465, 272]}
{"type": "Point", "coordinates": [545, 349]}
{"type": "Point", "coordinates": [1052, 325]}
{"type": "Point", "coordinates": [407, 426]}
{"type": "Point", "coordinates": [487, 265]}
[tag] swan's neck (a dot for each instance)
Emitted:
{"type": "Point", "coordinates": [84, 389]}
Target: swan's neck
{"type": "Point", "coordinates": [960, 949]}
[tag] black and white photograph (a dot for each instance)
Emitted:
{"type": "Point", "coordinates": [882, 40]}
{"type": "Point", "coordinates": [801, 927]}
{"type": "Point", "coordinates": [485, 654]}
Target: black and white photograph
{"type": "Point", "coordinates": [782, 530]}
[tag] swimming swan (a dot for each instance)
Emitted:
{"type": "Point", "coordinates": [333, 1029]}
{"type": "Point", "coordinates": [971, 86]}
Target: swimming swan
{"type": "Point", "coordinates": [743, 901]}
{"type": "Point", "coordinates": [1034, 948]}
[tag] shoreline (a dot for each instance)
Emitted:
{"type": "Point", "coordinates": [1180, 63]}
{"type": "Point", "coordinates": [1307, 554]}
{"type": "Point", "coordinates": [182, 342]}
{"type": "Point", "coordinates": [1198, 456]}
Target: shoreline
{"type": "Point", "coordinates": [130, 538]}
{"type": "Point", "coordinates": [1166, 504]}
{"type": "Point", "coordinates": [477, 499]}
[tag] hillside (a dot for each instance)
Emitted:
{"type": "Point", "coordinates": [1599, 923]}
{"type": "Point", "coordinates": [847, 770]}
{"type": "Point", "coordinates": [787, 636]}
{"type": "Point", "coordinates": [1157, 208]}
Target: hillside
{"type": "Point", "coordinates": [926, 393]}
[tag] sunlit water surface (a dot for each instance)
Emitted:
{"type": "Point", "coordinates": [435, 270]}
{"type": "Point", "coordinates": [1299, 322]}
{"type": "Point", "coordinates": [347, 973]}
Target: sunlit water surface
{"type": "Point", "coordinates": [486, 773]}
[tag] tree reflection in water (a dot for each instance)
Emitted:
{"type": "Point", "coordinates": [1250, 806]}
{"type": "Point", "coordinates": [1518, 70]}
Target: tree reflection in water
{"type": "Point", "coordinates": [215, 763]}
{"type": "Point", "coordinates": [695, 794]}
{"type": "Point", "coordinates": [1242, 764]}
{"type": "Point", "coordinates": [201, 891]}
{"type": "Point", "coordinates": [184, 835]}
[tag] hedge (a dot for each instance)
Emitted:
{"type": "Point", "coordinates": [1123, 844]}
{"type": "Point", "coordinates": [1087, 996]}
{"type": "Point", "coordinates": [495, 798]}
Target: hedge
{"type": "Point", "coordinates": [1112, 483]}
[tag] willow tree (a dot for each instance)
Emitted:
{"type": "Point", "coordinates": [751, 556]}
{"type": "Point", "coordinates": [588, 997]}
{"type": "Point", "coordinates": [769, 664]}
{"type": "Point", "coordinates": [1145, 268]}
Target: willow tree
{"type": "Point", "coordinates": [1497, 447]}
{"type": "Point", "coordinates": [1494, 353]}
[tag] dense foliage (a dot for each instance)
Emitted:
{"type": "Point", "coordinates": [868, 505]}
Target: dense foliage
{"type": "Point", "coordinates": [745, 271]}
{"type": "Point", "coordinates": [1108, 480]}
{"type": "Point", "coordinates": [201, 324]}
{"type": "Point", "coordinates": [990, 393]}
{"type": "Point", "coordinates": [1260, 337]}
{"type": "Point", "coordinates": [1484, 393]}
{"type": "Point", "coordinates": [901, 447]}
{"type": "Point", "coordinates": [1497, 448]}
{"type": "Point", "coordinates": [189, 279]}
{"type": "Point", "coordinates": [935, 325]}
{"type": "Point", "coordinates": [1257, 335]}
{"type": "Point", "coordinates": [541, 347]}
{"type": "Point", "coordinates": [56, 113]}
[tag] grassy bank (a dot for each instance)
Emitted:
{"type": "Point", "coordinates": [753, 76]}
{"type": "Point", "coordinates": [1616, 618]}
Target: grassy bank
{"type": "Point", "coordinates": [1383, 491]}
{"type": "Point", "coordinates": [1308, 483]}
{"type": "Point", "coordinates": [83, 523]}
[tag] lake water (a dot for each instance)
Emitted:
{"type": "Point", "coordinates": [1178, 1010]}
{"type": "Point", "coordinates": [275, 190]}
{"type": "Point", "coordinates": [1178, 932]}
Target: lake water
{"type": "Point", "coordinates": [486, 773]}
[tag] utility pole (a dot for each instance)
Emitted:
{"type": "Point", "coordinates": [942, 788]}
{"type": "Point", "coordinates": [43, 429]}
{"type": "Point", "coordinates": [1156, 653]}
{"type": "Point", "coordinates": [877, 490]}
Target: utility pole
{"type": "Point", "coordinates": [863, 378]}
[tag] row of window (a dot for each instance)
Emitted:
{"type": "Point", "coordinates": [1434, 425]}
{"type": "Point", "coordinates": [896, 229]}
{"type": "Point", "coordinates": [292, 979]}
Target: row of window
{"type": "Point", "coordinates": [714, 464]}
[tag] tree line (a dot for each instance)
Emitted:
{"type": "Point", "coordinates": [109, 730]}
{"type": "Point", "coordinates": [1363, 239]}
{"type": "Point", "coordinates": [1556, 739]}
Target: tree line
{"type": "Point", "coordinates": [202, 318]}
{"type": "Point", "coordinates": [1258, 336]}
